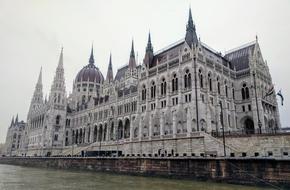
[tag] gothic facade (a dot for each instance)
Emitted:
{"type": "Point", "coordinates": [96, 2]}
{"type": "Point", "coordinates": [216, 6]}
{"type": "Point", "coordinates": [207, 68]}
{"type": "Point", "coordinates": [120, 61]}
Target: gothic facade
{"type": "Point", "coordinates": [165, 106]}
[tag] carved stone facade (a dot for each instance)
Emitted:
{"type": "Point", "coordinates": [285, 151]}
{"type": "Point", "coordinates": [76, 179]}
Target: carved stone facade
{"type": "Point", "coordinates": [168, 105]}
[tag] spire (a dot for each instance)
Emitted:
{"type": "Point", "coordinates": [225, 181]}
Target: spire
{"type": "Point", "coordinates": [92, 60]}
{"type": "Point", "coordinates": [132, 54]}
{"type": "Point", "coordinates": [110, 76]}
{"type": "Point", "coordinates": [60, 62]}
{"type": "Point", "coordinates": [149, 47]}
{"type": "Point", "coordinates": [190, 37]}
{"type": "Point", "coordinates": [149, 52]}
{"type": "Point", "coordinates": [16, 119]}
{"type": "Point", "coordinates": [57, 91]}
{"type": "Point", "coordinates": [39, 81]}
{"type": "Point", "coordinates": [12, 121]}
{"type": "Point", "coordinates": [132, 61]}
{"type": "Point", "coordinates": [37, 99]}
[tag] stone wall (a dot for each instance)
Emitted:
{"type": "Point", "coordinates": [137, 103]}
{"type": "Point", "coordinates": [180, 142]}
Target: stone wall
{"type": "Point", "coordinates": [236, 170]}
{"type": "Point", "coordinates": [266, 145]}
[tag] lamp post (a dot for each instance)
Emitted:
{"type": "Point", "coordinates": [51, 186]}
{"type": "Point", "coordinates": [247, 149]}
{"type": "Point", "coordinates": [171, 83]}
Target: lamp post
{"type": "Point", "coordinates": [258, 114]}
{"type": "Point", "coordinates": [223, 129]}
{"type": "Point", "coordinates": [195, 86]}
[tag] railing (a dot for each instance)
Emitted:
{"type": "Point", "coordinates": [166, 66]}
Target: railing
{"type": "Point", "coordinates": [255, 132]}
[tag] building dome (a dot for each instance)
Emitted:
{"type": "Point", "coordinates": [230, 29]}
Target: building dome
{"type": "Point", "coordinates": [90, 72]}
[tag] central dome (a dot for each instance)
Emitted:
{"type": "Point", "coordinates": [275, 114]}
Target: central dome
{"type": "Point", "coordinates": [90, 72]}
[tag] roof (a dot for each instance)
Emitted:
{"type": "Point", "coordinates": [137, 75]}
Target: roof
{"type": "Point", "coordinates": [240, 56]}
{"type": "Point", "coordinates": [121, 72]}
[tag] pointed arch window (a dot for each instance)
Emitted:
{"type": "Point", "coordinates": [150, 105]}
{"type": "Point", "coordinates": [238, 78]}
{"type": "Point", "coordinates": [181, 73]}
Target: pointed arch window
{"type": "Point", "coordinates": [144, 92]}
{"type": "Point", "coordinates": [187, 79]}
{"type": "Point", "coordinates": [200, 75]}
{"type": "Point", "coordinates": [174, 83]}
{"type": "Point", "coordinates": [163, 87]}
{"type": "Point", "coordinates": [245, 92]}
{"type": "Point", "coordinates": [226, 89]}
{"type": "Point", "coordinates": [153, 90]}
{"type": "Point", "coordinates": [209, 82]}
{"type": "Point", "coordinates": [218, 86]}
{"type": "Point", "coordinates": [57, 120]}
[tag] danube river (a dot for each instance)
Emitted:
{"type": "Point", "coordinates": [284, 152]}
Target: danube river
{"type": "Point", "coordinates": [23, 178]}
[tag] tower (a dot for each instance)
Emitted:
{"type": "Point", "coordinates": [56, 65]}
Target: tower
{"type": "Point", "coordinates": [190, 36]}
{"type": "Point", "coordinates": [37, 99]}
{"type": "Point", "coordinates": [54, 132]}
{"type": "Point", "coordinates": [132, 61]}
{"type": "Point", "coordinates": [149, 52]}
{"type": "Point", "coordinates": [110, 76]}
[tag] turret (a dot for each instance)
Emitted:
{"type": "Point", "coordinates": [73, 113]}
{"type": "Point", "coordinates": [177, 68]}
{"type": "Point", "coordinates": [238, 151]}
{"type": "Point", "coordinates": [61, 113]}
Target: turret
{"type": "Point", "coordinates": [37, 99]}
{"type": "Point", "coordinates": [190, 36]}
{"type": "Point", "coordinates": [110, 76]}
{"type": "Point", "coordinates": [149, 52]}
{"type": "Point", "coordinates": [57, 92]}
{"type": "Point", "coordinates": [132, 61]}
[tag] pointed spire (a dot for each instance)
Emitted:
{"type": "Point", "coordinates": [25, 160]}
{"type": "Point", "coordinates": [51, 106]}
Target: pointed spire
{"type": "Point", "coordinates": [92, 60]}
{"type": "Point", "coordinates": [190, 37]}
{"type": "Point", "coordinates": [132, 54]}
{"type": "Point", "coordinates": [132, 61]}
{"type": "Point", "coordinates": [110, 75]}
{"type": "Point", "coordinates": [39, 81]}
{"type": "Point", "coordinates": [149, 47]}
{"type": "Point", "coordinates": [12, 121]}
{"type": "Point", "coordinates": [16, 119]}
{"type": "Point", "coordinates": [60, 62]}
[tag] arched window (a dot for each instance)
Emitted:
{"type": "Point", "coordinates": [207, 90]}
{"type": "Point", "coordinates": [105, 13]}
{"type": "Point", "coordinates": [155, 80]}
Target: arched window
{"type": "Point", "coordinates": [174, 83]}
{"type": "Point", "coordinates": [144, 92]}
{"type": "Point", "coordinates": [226, 88]}
{"type": "Point", "coordinates": [218, 86]}
{"type": "Point", "coordinates": [153, 90]}
{"type": "Point", "coordinates": [187, 79]}
{"type": "Point", "coordinates": [163, 87]}
{"type": "Point", "coordinates": [200, 78]}
{"type": "Point", "coordinates": [245, 92]}
{"type": "Point", "coordinates": [233, 91]}
{"type": "Point", "coordinates": [83, 99]}
{"type": "Point", "coordinates": [58, 98]}
{"type": "Point", "coordinates": [209, 82]}
{"type": "Point", "coordinates": [57, 120]}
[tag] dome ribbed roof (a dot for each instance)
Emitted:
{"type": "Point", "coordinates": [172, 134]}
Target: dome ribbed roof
{"type": "Point", "coordinates": [90, 73]}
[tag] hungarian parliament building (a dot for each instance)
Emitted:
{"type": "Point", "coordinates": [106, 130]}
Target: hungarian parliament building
{"type": "Point", "coordinates": [176, 103]}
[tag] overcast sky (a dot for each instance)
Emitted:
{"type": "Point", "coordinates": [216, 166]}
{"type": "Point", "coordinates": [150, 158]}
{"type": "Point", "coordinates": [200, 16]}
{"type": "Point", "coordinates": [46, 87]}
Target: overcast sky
{"type": "Point", "coordinates": [33, 31]}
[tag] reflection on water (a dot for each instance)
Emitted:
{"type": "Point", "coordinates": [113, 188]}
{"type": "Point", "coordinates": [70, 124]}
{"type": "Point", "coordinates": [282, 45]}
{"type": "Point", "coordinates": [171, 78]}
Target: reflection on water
{"type": "Point", "coordinates": [23, 178]}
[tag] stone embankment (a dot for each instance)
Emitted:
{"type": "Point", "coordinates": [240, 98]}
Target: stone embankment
{"type": "Point", "coordinates": [250, 171]}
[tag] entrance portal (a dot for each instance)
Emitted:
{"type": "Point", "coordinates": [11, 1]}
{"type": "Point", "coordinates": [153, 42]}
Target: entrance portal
{"type": "Point", "coordinates": [249, 126]}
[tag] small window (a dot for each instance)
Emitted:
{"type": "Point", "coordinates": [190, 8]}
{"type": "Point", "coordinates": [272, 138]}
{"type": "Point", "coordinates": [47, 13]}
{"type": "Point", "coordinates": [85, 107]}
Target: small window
{"type": "Point", "coordinates": [249, 107]}
{"type": "Point", "coordinates": [243, 108]}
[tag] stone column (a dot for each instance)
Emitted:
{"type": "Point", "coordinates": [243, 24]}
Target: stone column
{"type": "Point", "coordinates": [85, 135]}
{"type": "Point", "coordinates": [150, 126]}
{"type": "Point", "coordinates": [174, 124]}
{"type": "Point", "coordinates": [131, 129]}
{"type": "Point", "coordinates": [188, 122]}
{"type": "Point", "coordinates": [162, 125]}
{"type": "Point", "coordinates": [140, 129]}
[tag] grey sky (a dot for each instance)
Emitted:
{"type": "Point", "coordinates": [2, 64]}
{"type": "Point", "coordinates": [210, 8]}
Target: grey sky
{"type": "Point", "coordinates": [33, 31]}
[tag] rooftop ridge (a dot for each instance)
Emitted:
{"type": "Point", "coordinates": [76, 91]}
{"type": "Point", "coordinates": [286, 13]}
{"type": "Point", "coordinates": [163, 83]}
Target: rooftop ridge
{"type": "Point", "coordinates": [169, 46]}
{"type": "Point", "coordinates": [240, 47]}
{"type": "Point", "coordinates": [210, 48]}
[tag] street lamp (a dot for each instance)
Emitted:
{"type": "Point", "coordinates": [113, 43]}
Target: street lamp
{"type": "Point", "coordinates": [223, 129]}
{"type": "Point", "coordinates": [258, 114]}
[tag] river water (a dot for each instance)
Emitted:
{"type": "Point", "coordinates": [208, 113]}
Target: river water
{"type": "Point", "coordinates": [24, 178]}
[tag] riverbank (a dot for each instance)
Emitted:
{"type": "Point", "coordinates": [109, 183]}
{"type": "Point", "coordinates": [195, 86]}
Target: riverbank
{"type": "Point", "coordinates": [244, 171]}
